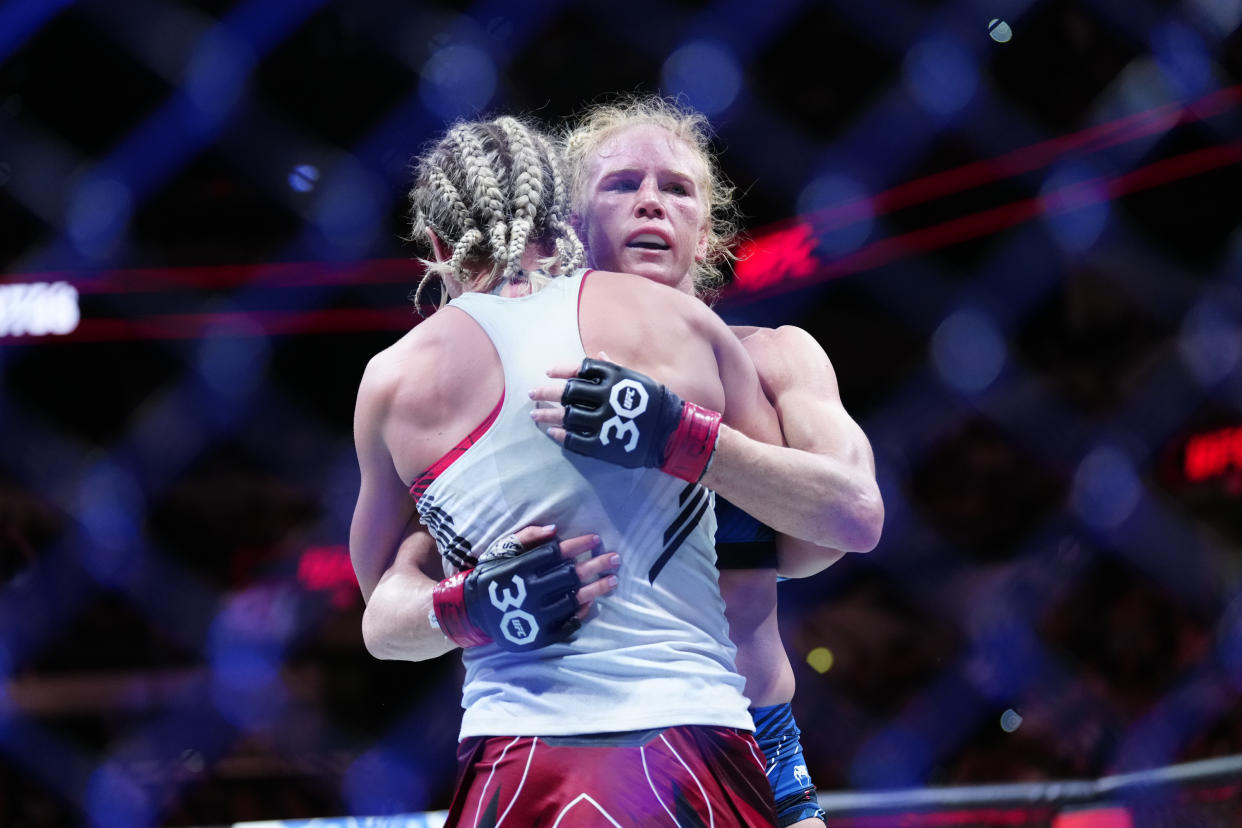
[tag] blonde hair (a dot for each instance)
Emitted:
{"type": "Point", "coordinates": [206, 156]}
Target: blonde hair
{"type": "Point", "coordinates": [487, 189]}
{"type": "Point", "coordinates": [602, 122]}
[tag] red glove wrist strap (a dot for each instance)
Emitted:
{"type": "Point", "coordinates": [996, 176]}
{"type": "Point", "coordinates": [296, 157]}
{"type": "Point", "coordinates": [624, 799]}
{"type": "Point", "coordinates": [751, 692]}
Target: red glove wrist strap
{"type": "Point", "coordinates": [448, 600]}
{"type": "Point", "coordinates": [689, 449]}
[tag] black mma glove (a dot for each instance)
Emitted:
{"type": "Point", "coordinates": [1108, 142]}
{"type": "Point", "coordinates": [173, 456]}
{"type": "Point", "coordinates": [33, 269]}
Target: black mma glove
{"type": "Point", "coordinates": [520, 600]}
{"type": "Point", "coordinates": [627, 418]}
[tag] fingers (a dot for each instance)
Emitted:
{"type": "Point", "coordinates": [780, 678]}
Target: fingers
{"type": "Point", "coordinates": [554, 415]}
{"type": "Point", "coordinates": [565, 370]}
{"type": "Point", "coordinates": [575, 546]}
{"type": "Point", "coordinates": [592, 591]}
{"type": "Point", "coordinates": [551, 392]}
{"type": "Point", "coordinates": [532, 536]}
{"type": "Point", "coordinates": [597, 575]}
{"type": "Point", "coordinates": [598, 567]}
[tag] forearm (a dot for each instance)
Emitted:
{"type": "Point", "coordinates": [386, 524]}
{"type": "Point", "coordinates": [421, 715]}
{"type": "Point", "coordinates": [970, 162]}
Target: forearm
{"type": "Point", "coordinates": [395, 624]}
{"type": "Point", "coordinates": [814, 497]}
{"type": "Point", "coordinates": [801, 559]}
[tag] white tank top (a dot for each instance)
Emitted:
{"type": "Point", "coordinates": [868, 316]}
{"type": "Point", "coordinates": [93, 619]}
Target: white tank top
{"type": "Point", "coordinates": [655, 652]}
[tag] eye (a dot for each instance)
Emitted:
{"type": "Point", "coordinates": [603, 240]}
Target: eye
{"type": "Point", "coordinates": [677, 188]}
{"type": "Point", "coordinates": [621, 184]}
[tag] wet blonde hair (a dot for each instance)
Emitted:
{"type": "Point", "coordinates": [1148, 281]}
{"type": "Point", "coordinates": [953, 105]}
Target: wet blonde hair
{"type": "Point", "coordinates": [487, 189]}
{"type": "Point", "coordinates": [604, 121]}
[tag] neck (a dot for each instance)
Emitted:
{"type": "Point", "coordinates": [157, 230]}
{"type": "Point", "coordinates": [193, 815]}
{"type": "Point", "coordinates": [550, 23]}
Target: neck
{"type": "Point", "coordinates": [686, 284]}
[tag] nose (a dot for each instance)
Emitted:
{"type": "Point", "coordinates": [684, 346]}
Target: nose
{"type": "Point", "coordinates": [648, 204]}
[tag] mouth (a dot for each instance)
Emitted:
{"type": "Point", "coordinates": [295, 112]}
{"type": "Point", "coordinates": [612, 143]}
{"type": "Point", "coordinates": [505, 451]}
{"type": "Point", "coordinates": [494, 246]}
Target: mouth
{"type": "Point", "coordinates": [648, 241]}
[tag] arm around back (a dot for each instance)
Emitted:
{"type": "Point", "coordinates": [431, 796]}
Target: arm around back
{"type": "Point", "coordinates": [819, 486]}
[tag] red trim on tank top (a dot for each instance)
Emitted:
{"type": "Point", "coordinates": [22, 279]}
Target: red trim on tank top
{"type": "Point", "coordinates": [578, 309]}
{"type": "Point", "coordinates": [588, 272]}
{"type": "Point", "coordinates": [449, 457]}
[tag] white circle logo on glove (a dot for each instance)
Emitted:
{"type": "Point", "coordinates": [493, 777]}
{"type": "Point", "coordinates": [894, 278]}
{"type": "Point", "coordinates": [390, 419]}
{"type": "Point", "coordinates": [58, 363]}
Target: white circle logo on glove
{"type": "Point", "coordinates": [519, 626]}
{"type": "Point", "coordinates": [628, 398]}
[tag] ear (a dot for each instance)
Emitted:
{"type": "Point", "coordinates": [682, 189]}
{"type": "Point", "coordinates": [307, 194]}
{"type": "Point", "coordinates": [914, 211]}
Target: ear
{"type": "Point", "coordinates": [440, 251]}
{"type": "Point", "coordinates": [700, 249]}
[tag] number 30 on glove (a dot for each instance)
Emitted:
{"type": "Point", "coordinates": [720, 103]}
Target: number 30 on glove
{"type": "Point", "coordinates": [627, 418]}
{"type": "Point", "coordinates": [522, 602]}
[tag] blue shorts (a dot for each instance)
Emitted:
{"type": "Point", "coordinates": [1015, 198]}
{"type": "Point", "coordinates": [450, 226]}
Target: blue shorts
{"type": "Point", "coordinates": [780, 740]}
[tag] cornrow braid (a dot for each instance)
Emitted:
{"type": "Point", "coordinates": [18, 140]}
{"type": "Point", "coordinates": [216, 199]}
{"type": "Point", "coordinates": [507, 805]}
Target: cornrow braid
{"type": "Point", "coordinates": [485, 189]}
{"type": "Point", "coordinates": [527, 188]}
{"type": "Point", "coordinates": [453, 197]}
{"type": "Point", "coordinates": [569, 247]}
{"type": "Point", "coordinates": [468, 240]}
{"type": "Point", "coordinates": [488, 190]}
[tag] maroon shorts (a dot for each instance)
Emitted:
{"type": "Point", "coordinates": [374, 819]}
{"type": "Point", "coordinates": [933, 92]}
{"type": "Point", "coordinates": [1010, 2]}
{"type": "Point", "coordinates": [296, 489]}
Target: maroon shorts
{"type": "Point", "coordinates": [683, 776]}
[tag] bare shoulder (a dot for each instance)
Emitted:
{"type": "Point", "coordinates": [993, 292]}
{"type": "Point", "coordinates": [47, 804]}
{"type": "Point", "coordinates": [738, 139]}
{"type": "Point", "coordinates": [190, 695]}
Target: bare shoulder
{"type": "Point", "coordinates": [787, 356]}
{"type": "Point", "coordinates": [383, 376]}
{"type": "Point", "coordinates": [378, 384]}
{"type": "Point", "coordinates": [414, 385]}
{"type": "Point", "coordinates": [642, 291]}
{"type": "Point", "coordinates": [654, 311]}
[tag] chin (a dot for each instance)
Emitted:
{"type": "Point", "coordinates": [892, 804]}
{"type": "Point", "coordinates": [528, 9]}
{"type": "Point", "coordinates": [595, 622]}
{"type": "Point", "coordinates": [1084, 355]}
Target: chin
{"type": "Point", "coordinates": [656, 273]}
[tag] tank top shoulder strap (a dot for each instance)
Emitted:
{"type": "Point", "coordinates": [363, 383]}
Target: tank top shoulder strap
{"type": "Point", "coordinates": [530, 333]}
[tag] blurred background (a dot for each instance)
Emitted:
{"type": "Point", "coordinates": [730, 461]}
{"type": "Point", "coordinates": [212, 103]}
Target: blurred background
{"type": "Point", "coordinates": [1014, 227]}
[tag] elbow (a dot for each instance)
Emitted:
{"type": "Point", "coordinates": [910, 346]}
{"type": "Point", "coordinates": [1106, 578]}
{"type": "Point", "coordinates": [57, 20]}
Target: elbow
{"type": "Point", "coordinates": [870, 519]}
{"type": "Point", "coordinates": [372, 635]}
{"type": "Point", "coordinates": [861, 524]}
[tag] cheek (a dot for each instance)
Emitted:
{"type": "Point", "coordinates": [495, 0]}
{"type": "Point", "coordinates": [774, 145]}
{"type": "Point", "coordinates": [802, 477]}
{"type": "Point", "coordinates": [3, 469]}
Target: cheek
{"type": "Point", "coordinates": [692, 220]}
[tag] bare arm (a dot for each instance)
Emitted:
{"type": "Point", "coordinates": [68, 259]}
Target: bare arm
{"type": "Point", "coordinates": [395, 623]}
{"type": "Point", "coordinates": [394, 559]}
{"type": "Point", "coordinates": [820, 487]}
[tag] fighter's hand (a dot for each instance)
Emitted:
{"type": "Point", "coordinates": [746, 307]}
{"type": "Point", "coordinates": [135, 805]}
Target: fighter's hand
{"type": "Point", "coordinates": [524, 598]}
{"type": "Point", "coordinates": [624, 417]}
{"type": "Point", "coordinates": [597, 573]}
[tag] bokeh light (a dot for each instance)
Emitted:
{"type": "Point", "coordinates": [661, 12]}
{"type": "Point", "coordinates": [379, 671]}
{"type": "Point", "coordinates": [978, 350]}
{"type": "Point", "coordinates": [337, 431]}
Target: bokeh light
{"type": "Point", "coordinates": [114, 799]}
{"type": "Point", "coordinates": [1210, 341]}
{"type": "Point", "coordinates": [97, 213]}
{"type": "Point", "coordinates": [968, 350]}
{"type": "Point", "coordinates": [706, 74]}
{"type": "Point", "coordinates": [1184, 58]}
{"type": "Point", "coordinates": [218, 72]}
{"type": "Point", "coordinates": [110, 506]}
{"type": "Point", "coordinates": [458, 81]}
{"type": "Point", "coordinates": [303, 178]}
{"type": "Point", "coordinates": [1076, 207]}
{"type": "Point", "coordinates": [941, 75]}
{"type": "Point", "coordinates": [1106, 487]}
{"type": "Point", "coordinates": [820, 659]}
{"type": "Point", "coordinates": [837, 234]}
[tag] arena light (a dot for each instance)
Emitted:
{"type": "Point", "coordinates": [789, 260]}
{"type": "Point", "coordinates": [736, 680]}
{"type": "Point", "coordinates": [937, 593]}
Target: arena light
{"type": "Point", "coordinates": [1213, 454]}
{"type": "Point", "coordinates": [328, 569]}
{"type": "Point", "coordinates": [794, 252]}
{"type": "Point", "coordinates": [38, 309]}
